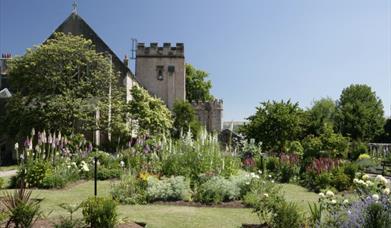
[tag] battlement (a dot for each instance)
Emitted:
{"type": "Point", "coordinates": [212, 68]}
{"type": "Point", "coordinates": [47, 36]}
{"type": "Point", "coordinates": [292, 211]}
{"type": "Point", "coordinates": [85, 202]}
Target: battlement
{"type": "Point", "coordinates": [166, 50]}
{"type": "Point", "coordinates": [215, 104]}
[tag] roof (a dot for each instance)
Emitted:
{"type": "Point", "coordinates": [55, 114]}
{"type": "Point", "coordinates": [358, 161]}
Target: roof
{"type": "Point", "coordinates": [75, 25]}
{"type": "Point", "coordinates": [5, 93]}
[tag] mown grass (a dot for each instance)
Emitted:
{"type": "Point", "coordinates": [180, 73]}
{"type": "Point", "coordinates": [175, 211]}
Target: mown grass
{"type": "Point", "coordinates": [161, 215]}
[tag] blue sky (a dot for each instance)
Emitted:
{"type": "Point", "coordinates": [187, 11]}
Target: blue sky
{"type": "Point", "coordinates": [254, 50]}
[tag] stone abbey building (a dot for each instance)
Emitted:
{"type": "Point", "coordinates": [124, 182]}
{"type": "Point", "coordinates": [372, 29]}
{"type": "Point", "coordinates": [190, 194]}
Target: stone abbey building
{"type": "Point", "coordinates": [160, 70]}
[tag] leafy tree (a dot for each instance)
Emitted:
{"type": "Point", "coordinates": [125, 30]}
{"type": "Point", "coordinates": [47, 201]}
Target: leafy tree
{"type": "Point", "coordinates": [360, 113]}
{"type": "Point", "coordinates": [327, 144]}
{"type": "Point", "coordinates": [197, 87]}
{"type": "Point", "coordinates": [57, 86]}
{"type": "Point", "coordinates": [184, 119]}
{"type": "Point", "coordinates": [275, 124]}
{"type": "Point", "coordinates": [322, 112]}
{"type": "Point", "coordinates": [150, 114]}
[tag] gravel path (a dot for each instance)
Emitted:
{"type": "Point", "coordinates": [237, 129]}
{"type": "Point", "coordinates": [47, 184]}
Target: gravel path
{"type": "Point", "coordinates": [8, 173]}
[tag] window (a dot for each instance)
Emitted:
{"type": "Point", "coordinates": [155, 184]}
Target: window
{"type": "Point", "coordinates": [159, 70]}
{"type": "Point", "coordinates": [171, 70]}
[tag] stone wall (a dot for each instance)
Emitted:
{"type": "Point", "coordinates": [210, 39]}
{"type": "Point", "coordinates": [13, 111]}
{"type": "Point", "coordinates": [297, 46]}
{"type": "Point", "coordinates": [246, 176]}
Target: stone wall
{"type": "Point", "coordinates": [210, 114]}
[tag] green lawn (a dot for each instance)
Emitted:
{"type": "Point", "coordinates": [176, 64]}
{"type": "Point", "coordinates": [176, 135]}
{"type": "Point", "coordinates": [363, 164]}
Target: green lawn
{"type": "Point", "coordinates": [165, 216]}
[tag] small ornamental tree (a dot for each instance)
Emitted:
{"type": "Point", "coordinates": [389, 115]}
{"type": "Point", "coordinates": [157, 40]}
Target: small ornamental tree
{"type": "Point", "coordinates": [322, 112]}
{"type": "Point", "coordinates": [360, 113]}
{"type": "Point", "coordinates": [275, 124]}
{"type": "Point", "coordinates": [197, 87]}
{"type": "Point", "coordinates": [184, 119]}
{"type": "Point", "coordinates": [150, 114]}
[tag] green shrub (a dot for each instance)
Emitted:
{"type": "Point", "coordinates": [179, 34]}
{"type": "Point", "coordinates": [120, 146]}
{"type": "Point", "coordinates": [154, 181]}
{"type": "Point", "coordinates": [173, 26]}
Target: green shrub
{"type": "Point", "coordinates": [376, 216]}
{"type": "Point", "coordinates": [364, 156]}
{"type": "Point", "coordinates": [295, 147]}
{"type": "Point", "coordinates": [350, 169]}
{"type": "Point", "coordinates": [287, 215]}
{"type": "Point", "coordinates": [312, 146]}
{"type": "Point", "coordinates": [69, 222]}
{"type": "Point", "coordinates": [173, 188]}
{"type": "Point", "coordinates": [21, 209]}
{"type": "Point", "coordinates": [216, 190]}
{"type": "Point", "coordinates": [272, 164]}
{"type": "Point", "coordinates": [341, 181]}
{"type": "Point", "coordinates": [316, 182]}
{"type": "Point", "coordinates": [104, 173]}
{"type": "Point", "coordinates": [129, 190]}
{"type": "Point", "coordinates": [99, 212]}
{"type": "Point", "coordinates": [358, 148]}
{"type": "Point", "coordinates": [1, 182]}
{"type": "Point", "coordinates": [242, 181]}
{"type": "Point", "coordinates": [54, 181]}
{"type": "Point", "coordinates": [36, 171]}
{"type": "Point", "coordinates": [286, 173]}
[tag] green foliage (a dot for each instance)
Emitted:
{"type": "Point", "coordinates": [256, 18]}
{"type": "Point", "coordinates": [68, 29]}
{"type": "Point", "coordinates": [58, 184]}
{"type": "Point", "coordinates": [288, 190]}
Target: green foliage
{"type": "Point", "coordinates": [197, 87]}
{"type": "Point", "coordinates": [341, 181]}
{"type": "Point", "coordinates": [100, 212]}
{"type": "Point", "coordinates": [185, 119]}
{"type": "Point", "coordinates": [21, 209]}
{"type": "Point", "coordinates": [193, 158]}
{"type": "Point", "coordinates": [62, 174]}
{"type": "Point", "coordinates": [56, 86]}
{"type": "Point", "coordinates": [69, 222]}
{"type": "Point", "coordinates": [1, 183]}
{"type": "Point", "coordinates": [129, 190]}
{"type": "Point", "coordinates": [36, 171]}
{"type": "Point", "coordinates": [272, 164]}
{"type": "Point", "coordinates": [360, 113]}
{"type": "Point", "coordinates": [327, 144]}
{"type": "Point", "coordinates": [216, 190]}
{"type": "Point", "coordinates": [168, 189]}
{"type": "Point", "coordinates": [295, 147]}
{"type": "Point", "coordinates": [287, 215]}
{"type": "Point", "coordinates": [104, 173]}
{"type": "Point", "coordinates": [275, 124]}
{"type": "Point", "coordinates": [357, 149]}
{"type": "Point", "coordinates": [376, 216]}
{"type": "Point", "coordinates": [322, 112]}
{"type": "Point", "coordinates": [150, 114]}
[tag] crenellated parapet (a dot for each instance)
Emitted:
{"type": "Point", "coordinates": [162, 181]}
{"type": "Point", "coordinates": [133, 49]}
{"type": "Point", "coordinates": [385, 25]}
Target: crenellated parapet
{"type": "Point", "coordinates": [154, 50]}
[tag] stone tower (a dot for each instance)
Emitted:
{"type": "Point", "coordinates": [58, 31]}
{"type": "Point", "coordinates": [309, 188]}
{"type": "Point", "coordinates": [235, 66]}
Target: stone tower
{"type": "Point", "coordinates": [210, 114]}
{"type": "Point", "coordinates": [161, 71]}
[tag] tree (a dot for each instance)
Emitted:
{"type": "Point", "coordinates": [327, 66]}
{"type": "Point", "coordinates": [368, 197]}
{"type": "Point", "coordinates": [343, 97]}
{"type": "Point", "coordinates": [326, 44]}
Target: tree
{"type": "Point", "coordinates": [321, 113]}
{"type": "Point", "coordinates": [275, 124]}
{"type": "Point", "coordinates": [184, 119]}
{"type": "Point", "coordinates": [57, 86]}
{"type": "Point", "coordinates": [197, 87]}
{"type": "Point", "coordinates": [360, 113]}
{"type": "Point", "coordinates": [150, 114]}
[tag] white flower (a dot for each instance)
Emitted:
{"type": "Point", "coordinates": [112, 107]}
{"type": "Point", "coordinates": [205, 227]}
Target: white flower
{"type": "Point", "coordinates": [16, 146]}
{"type": "Point", "coordinates": [273, 181]}
{"type": "Point", "coordinates": [365, 177]}
{"type": "Point", "coordinates": [265, 195]}
{"type": "Point", "coordinates": [329, 194]}
{"type": "Point", "coordinates": [247, 183]}
{"type": "Point", "coordinates": [122, 164]}
{"type": "Point", "coordinates": [259, 171]}
{"type": "Point", "coordinates": [68, 166]}
{"type": "Point", "coordinates": [321, 195]}
{"type": "Point", "coordinates": [375, 197]}
{"type": "Point", "coordinates": [270, 176]}
{"type": "Point", "coordinates": [345, 201]}
{"type": "Point", "coordinates": [333, 201]}
{"type": "Point", "coordinates": [381, 179]}
{"type": "Point", "coordinates": [386, 191]}
{"type": "Point", "coordinates": [369, 183]}
{"type": "Point", "coordinates": [355, 180]}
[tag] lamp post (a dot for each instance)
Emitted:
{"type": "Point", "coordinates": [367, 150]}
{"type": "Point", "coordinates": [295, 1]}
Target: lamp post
{"type": "Point", "coordinates": [95, 176]}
